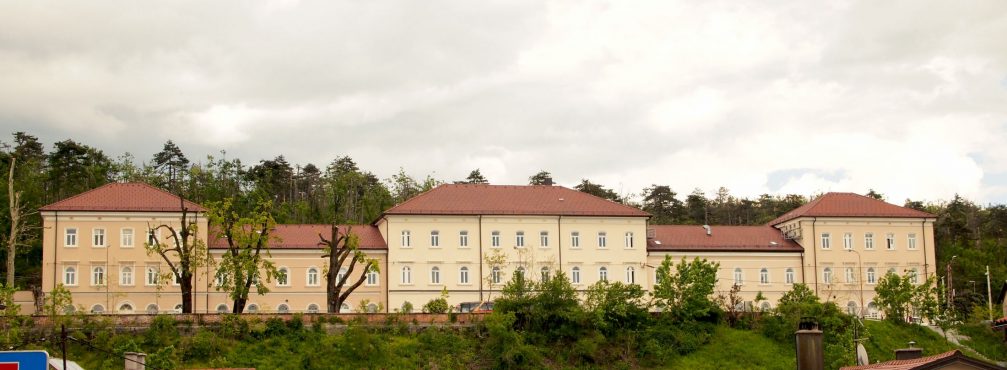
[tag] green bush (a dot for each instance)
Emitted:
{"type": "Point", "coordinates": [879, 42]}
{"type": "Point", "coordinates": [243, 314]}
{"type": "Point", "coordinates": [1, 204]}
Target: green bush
{"type": "Point", "coordinates": [436, 305]}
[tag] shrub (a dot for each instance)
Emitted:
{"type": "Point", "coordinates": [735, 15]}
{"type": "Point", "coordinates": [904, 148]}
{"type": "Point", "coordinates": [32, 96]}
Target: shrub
{"type": "Point", "coordinates": [407, 307]}
{"type": "Point", "coordinates": [234, 327]}
{"type": "Point", "coordinates": [436, 305]}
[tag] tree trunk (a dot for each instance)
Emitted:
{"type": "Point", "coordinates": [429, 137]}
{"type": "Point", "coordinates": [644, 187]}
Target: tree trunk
{"type": "Point", "coordinates": [186, 294]}
{"type": "Point", "coordinates": [15, 219]}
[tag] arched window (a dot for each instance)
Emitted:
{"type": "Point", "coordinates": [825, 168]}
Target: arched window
{"type": "Point", "coordinates": [603, 274]}
{"type": "Point", "coordinates": [871, 278]}
{"type": "Point", "coordinates": [789, 277]}
{"type": "Point", "coordinates": [126, 276]}
{"type": "Point", "coordinates": [312, 308]}
{"type": "Point", "coordinates": [98, 309]}
{"type": "Point", "coordinates": [126, 308]}
{"type": "Point", "coordinates": [312, 276]}
{"type": "Point", "coordinates": [372, 278]}
{"type": "Point", "coordinates": [435, 275]}
{"type": "Point", "coordinates": [575, 275]}
{"type": "Point", "coordinates": [98, 275]}
{"type": "Point", "coordinates": [152, 309]}
{"type": "Point", "coordinates": [70, 275]}
{"type": "Point", "coordinates": [630, 275]}
{"type": "Point", "coordinates": [463, 275]}
{"type": "Point", "coordinates": [545, 273]}
{"type": "Point", "coordinates": [827, 275]}
{"type": "Point", "coordinates": [222, 308]}
{"type": "Point", "coordinates": [765, 306]}
{"type": "Point", "coordinates": [178, 308]}
{"type": "Point", "coordinates": [764, 276]}
{"type": "Point", "coordinates": [872, 310]}
{"type": "Point", "coordinates": [738, 277]}
{"type": "Point", "coordinates": [851, 308]}
{"type": "Point", "coordinates": [344, 308]}
{"type": "Point", "coordinates": [913, 276]}
{"type": "Point", "coordinates": [496, 275]}
{"type": "Point", "coordinates": [891, 270]}
{"type": "Point", "coordinates": [151, 276]}
{"type": "Point", "coordinates": [69, 309]}
{"type": "Point", "coordinates": [252, 308]}
{"type": "Point", "coordinates": [372, 308]}
{"type": "Point", "coordinates": [282, 275]}
{"type": "Point", "coordinates": [407, 275]}
{"type": "Point", "coordinates": [283, 308]}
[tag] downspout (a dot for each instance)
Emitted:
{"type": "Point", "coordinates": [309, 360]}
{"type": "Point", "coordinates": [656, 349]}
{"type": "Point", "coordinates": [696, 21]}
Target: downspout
{"type": "Point", "coordinates": [55, 251]}
{"type": "Point", "coordinates": [479, 237]}
{"type": "Point", "coordinates": [814, 247]}
{"type": "Point", "coordinates": [388, 279]}
{"type": "Point", "coordinates": [923, 236]}
{"type": "Point", "coordinates": [559, 240]}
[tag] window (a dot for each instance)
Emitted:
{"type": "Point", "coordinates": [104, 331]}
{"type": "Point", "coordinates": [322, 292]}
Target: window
{"type": "Point", "coordinates": [519, 239]}
{"type": "Point", "coordinates": [890, 241]}
{"type": "Point", "coordinates": [98, 237]}
{"type": "Point", "coordinates": [826, 241]}
{"type": "Point", "coordinates": [601, 239]}
{"type": "Point", "coordinates": [283, 308]}
{"type": "Point", "coordinates": [848, 241]}
{"type": "Point", "coordinates": [765, 306]}
{"type": "Point", "coordinates": [871, 278]}
{"type": "Point", "coordinates": [151, 276]}
{"type": "Point", "coordinates": [98, 275]}
{"type": "Point", "coordinates": [435, 239]}
{"type": "Point", "coordinates": [341, 274]}
{"type": "Point", "coordinates": [178, 308]}
{"type": "Point", "coordinates": [71, 237]}
{"type": "Point", "coordinates": [126, 308]}
{"type": "Point", "coordinates": [126, 276]}
{"type": "Point", "coordinates": [407, 275]}
{"type": "Point", "coordinates": [868, 240]}
{"type": "Point", "coordinates": [543, 239]}
{"type": "Point", "coordinates": [872, 310]}
{"type": "Point", "coordinates": [435, 275]}
{"type": "Point", "coordinates": [372, 278]}
{"type": "Point", "coordinates": [222, 308]}
{"type": "Point", "coordinates": [603, 274]}
{"type": "Point", "coordinates": [630, 275]}
{"type": "Point", "coordinates": [372, 308]}
{"type": "Point", "coordinates": [152, 309]}
{"type": "Point", "coordinates": [789, 276]}
{"type": "Point", "coordinates": [891, 270]}
{"type": "Point", "coordinates": [575, 275]}
{"type": "Point", "coordinates": [344, 308]}
{"type": "Point", "coordinates": [827, 275]}
{"type": "Point", "coordinates": [219, 281]}
{"type": "Point", "coordinates": [312, 308]}
{"type": "Point", "coordinates": [545, 273]}
{"type": "Point", "coordinates": [126, 238]}
{"type": "Point", "coordinates": [575, 239]}
{"type": "Point", "coordinates": [764, 276]}
{"type": "Point", "coordinates": [463, 275]}
{"type": "Point", "coordinates": [738, 277]}
{"type": "Point", "coordinates": [312, 276]}
{"type": "Point", "coordinates": [913, 276]}
{"type": "Point", "coordinates": [495, 239]}
{"type": "Point", "coordinates": [496, 275]}
{"type": "Point", "coordinates": [463, 238]}
{"type": "Point", "coordinates": [406, 239]}
{"type": "Point", "coordinates": [851, 308]}
{"type": "Point", "coordinates": [252, 308]}
{"type": "Point", "coordinates": [850, 277]}
{"type": "Point", "coordinates": [911, 242]}
{"type": "Point", "coordinates": [629, 239]}
{"type": "Point", "coordinates": [98, 309]}
{"type": "Point", "coordinates": [281, 276]}
{"type": "Point", "coordinates": [519, 271]}
{"type": "Point", "coordinates": [70, 275]}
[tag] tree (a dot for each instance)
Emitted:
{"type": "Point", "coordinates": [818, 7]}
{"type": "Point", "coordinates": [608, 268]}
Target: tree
{"type": "Point", "coordinates": [17, 227]}
{"type": "Point", "coordinates": [183, 251]}
{"type": "Point", "coordinates": [475, 177]}
{"type": "Point", "coordinates": [543, 177]}
{"type": "Point", "coordinates": [697, 208]}
{"type": "Point", "coordinates": [659, 200]}
{"type": "Point", "coordinates": [873, 194]}
{"type": "Point", "coordinates": [615, 306]}
{"type": "Point", "coordinates": [248, 239]}
{"type": "Point", "coordinates": [894, 295]}
{"type": "Point", "coordinates": [732, 304]}
{"type": "Point", "coordinates": [587, 186]}
{"type": "Point", "coordinates": [685, 293]}
{"type": "Point", "coordinates": [342, 248]}
{"type": "Point", "coordinates": [73, 168]}
{"type": "Point", "coordinates": [171, 163]}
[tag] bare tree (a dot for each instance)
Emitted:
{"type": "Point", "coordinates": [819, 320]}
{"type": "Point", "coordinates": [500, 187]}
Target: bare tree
{"type": "Point", "coordinates": [17, 214]}
{"type": "Point", "coordinates": [183, 251]}
{"type": "Point", "coordinates": [343, 249]}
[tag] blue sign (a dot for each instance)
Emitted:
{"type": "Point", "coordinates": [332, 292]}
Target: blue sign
{"type": "Point", "coordinates": [24, 360]}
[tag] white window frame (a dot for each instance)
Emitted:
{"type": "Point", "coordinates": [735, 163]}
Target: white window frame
{"type": "Point", "coordinates": [575, 239]}
{"type": "Point", "coordinates": [848, 241]}
{"type": "Point", "coordinates": [99, 238]}
{"type": "Point", "coordinates": [407, 239]}
{"type": "Point", "coordinates": [496, 275]}
{"type": "Point", "coordinates": [544, 273]}
{"type": "Point", "coordinates": [519, 239]}
{"type": "Point", "coordinates": [739, 276]}
{"type": "Point", "coordinates": [789, 275]}
{"type": "Point", "coordinates": [913, 275]}
{"type": "Point", "coordinates": [70, 275]}
{"type": "Point", "coordinates": [435, 239]}
{"type": "Point", "coordinates": [850, 275]}
{"type": "Point", "coordinates": [575, 275]}
{"type": "Point", "coordinates": [312, 308]}
{"type": "Point", "coordinates": [435, 275]}
{"type": "Point", "coordinates": [283, 276]}
{"type": "Point", "coordinates": [495, 239]}
{"type": "Point", "coordinates": [70, 238]}
{"type": "Point", "coordinates": [98, 276]}
{"type": "Point", "coordinates": [543, 239]}
{"type": "Point", "coordinates": [463, 239]}
{"type": "Point", "coordinates": [222, 308]}
{"type": "Point", "coordinates": [463, 275]}
{"type": "Point", "coordinates": [311, 276]}
{"type": "Point", "coordinates": [373, 278]}
{"type": "Point", "coordinates": [151, 276]}
{"type": "Point", "coordinates": [602, 273]}
{"type": "Point", "coordinates": [826, 240]}
{"type": "Point", "coordinates": [764, 276]}
{"type": "Point", "coordinates": [602, 240]}
{"type": "Point", "coordinates": [827, 275]}
{"type": "Point", "coordinates": [872, 276]}
{"type": "Point", "coordinates": [911, 241]}
{"type": "Point", "coordinates": [629, 240]}
{"type": "Point", "coordinates": [630, 275]}
{"type": "Point", "coordinates": [339, 275]}
{"type": "Point", "coordinates": [124, 237]}
{"type": "Point", "coordinates": [890, 241]}
{"type": "Point", "coordinates": [126, 277]}
{"type": "Point", "coordinates": [869, 241]}
{"type": "Point", "coordinates": [407, 275]}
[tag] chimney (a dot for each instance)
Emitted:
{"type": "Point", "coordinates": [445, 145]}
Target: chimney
{"type": "Point", "coordinates": [709, 230]}
{"type": "Point", "coordinates": [810, 355]}
{"type": "Point", "coordinates": [909, 353]}
{"type": "Point", "coordinates": [135, 361]}
{"type": "Point", "coordinates": [547, 181]}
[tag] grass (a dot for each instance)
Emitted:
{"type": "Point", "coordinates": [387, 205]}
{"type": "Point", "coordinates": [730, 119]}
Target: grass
{"type": "Point", "coordinates": [985, 341]}
{"type": "Point", "coordinates": [738, 349]}
{"type": "Point", "coordinates": [885, 337]}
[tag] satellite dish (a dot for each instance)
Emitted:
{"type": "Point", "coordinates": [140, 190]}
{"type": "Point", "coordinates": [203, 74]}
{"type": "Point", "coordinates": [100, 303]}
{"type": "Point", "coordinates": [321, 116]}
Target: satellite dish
{"type": "Point", "coordinates": [862, 355]}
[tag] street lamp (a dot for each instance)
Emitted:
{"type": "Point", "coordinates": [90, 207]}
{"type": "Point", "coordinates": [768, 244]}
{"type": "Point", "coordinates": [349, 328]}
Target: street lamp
{"type": "Point", "coordinates": [860, 279]}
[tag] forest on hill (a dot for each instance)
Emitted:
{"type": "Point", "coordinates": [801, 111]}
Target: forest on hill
{"type": "Point", "coordinates": [341, 192]}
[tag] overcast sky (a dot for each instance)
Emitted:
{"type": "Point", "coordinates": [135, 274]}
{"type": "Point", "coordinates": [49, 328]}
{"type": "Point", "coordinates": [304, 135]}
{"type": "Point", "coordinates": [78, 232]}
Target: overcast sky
{"type": "Point", "coordinates": [906, 97]}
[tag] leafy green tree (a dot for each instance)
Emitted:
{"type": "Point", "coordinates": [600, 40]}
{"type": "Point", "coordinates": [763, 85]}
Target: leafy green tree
{"type": "Point", "coordinates": [685, 291]}
{"type": "Point", "coordinates": [894, 295]}
{"type": "Point", "coordinates": [543, 177]}
{"type": "Point", "coordinates": [183, 251]}
{"type": "Point", "coordinates": [475, 177]}
{"type": "Point", "coordinates": [876, 195]}
{"type": "Point", "coordinates": [660, 201]}
{"type": "Point", "coordinates": [615, 306]}
{"type": "Point", "coordinates": [248, 240]}
{"type": "Point", "coordinates": [73, 168]}
{"type": "Point", "coordinates": [697, 208]}
{"type": "Point", "coordinates": [597, 190]}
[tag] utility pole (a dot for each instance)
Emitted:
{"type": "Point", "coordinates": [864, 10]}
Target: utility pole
{"type": "Point", "coordinates": [989, 294]}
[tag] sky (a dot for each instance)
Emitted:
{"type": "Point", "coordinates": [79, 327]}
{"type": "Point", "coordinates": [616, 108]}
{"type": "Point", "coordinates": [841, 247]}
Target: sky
{"type": "Point", "coordinates": [905, 97]}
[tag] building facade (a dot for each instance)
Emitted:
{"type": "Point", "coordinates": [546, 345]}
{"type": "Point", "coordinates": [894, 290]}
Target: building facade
{"type": "Point", "coordinates": [467, 240]}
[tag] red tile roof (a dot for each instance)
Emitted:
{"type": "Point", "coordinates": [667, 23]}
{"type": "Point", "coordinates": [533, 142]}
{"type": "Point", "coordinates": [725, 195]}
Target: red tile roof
{"type": "Point", "coordinates": [849, 205]}
{"type": "Point", "coordinates": [999, 324]}
{"type": "Point", "coordinates": [930, 362]}
{"type": "Point", "coordinates": [472, 199]}
{"type": "Point", "coordinates": [721, 238]}
{"type": "Point", "coordinates": [306, 236]}
{"type": "Point", "coordinates": [123, 197]}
